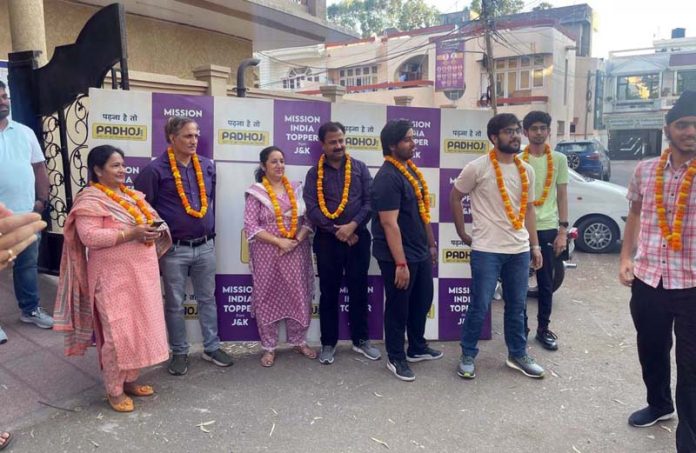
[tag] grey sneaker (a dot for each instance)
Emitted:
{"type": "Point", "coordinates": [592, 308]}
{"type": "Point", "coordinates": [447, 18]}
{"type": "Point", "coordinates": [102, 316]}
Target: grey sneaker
{"type": "Point", "coordinates": [39, 318]}
{"type": "Point", "coordinates": [178, 364]}
{"type": "Point", "coordinates": [3, 336]}
{"type": "Point", "coordinates": [466, 368]}
{"type": "Point", "coordinates": [426, 354]}
{"type": "Point", "coordinates": [326, 356]}
{"type": "Point", "coordinates": [526, 365]}
{"type": "Point", "coordinates": [218, 357]}
{"type": "Point", "coordinates": [365, 348]}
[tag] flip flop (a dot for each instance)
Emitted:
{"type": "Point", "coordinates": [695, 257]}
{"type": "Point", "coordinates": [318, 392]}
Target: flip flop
{"type": "Point", "coordinates": [124, 406]}
{"type": "Point", "coordinates": [139, 390]}
{"type": "Point", "coordinates": [8, 440]}
{"type": "Point", "coordinates": [306, 351]}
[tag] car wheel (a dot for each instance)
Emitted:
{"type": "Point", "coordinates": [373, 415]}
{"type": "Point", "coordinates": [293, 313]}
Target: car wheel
{"type": "Point", "coordinates": [597, 234]}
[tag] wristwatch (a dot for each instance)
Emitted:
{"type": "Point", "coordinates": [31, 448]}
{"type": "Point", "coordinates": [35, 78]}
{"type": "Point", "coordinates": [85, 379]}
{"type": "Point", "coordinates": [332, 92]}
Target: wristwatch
{"type": "Point", "coordinates": [564, 224]}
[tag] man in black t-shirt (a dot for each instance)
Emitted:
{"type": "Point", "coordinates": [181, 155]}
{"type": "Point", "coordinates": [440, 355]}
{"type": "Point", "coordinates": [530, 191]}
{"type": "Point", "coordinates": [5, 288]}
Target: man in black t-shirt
{"type": "Point", "coordinates": [404, 246]}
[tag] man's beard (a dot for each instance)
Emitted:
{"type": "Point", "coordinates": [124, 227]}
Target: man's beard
{"type": "Point", "coordinates": [509, 149]}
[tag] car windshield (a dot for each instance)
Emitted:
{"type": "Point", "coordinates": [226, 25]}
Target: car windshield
{"type": "Point", "coordinates": [566, 148]}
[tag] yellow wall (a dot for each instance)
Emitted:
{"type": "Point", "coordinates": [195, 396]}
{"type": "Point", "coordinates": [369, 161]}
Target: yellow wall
{"type": "Point", "coordinates": [153, 46]}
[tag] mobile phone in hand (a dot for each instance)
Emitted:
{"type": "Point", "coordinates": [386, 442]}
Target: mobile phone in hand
{"type": "Point", "coordinates": [157, 223]}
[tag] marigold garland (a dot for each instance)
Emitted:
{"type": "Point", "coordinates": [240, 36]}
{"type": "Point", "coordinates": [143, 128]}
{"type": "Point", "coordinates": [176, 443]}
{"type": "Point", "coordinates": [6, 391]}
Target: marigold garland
{"type": "Point", "coordinates": [422, 196]}
{"type": "Point", "coordinates": [138, 216]}
{"type": "Point", "coordinates": [549, 173]}
{"type": "Point", "coordinates": [276, 207]}
{"type": "Point", "coordinates": [672, 236]}
{"type": "Point", "coordinates": [320, 189]}
{"type": "Point", "coordinates": [516, 220]}
{"type": "Point", "coordinates": [180, 187]}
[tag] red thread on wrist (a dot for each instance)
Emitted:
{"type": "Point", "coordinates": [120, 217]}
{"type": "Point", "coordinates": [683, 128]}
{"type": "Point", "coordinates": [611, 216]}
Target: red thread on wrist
{"type": "Point", "coordinates": [401, 264]}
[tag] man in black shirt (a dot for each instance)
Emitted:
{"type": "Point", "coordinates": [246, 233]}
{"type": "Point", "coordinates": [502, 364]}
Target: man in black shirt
{"type": "Point", "coordinates": [405, 248]}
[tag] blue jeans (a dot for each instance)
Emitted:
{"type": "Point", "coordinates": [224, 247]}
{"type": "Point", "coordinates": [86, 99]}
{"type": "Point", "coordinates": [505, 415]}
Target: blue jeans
{"type": "Point", "coordinates": [485, 269]}
{"type": "Point", "coordinates": [176, 265]}
{"type": "Point", "coordinates": [26, 279]}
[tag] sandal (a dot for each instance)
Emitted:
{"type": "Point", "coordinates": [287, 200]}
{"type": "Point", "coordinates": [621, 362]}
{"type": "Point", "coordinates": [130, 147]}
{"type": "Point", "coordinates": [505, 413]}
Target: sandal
{"type": "Point", "coordinates": [124, 406]}
{"type": "Point", "coordinates": [6, 440]}
{"type": "Point", "coordinates": [138, 390]}
{"type": "Point", "coordinates": [268, 359]}
{"type": "Point", "coordinates": [306, 351]}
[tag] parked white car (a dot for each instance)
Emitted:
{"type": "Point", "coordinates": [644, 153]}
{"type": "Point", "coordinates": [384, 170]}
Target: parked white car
{"type": "Point", "coordinates": [598, 210]}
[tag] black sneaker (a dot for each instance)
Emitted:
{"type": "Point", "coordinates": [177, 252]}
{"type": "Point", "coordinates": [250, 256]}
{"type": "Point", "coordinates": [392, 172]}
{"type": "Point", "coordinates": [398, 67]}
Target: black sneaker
{"type": "Point", "coordinates": [648, 417]}
{"type": "Point", "coordinates": [547, 339]}
{"type": "Point", "coordinates": [178, 364]}
{"type": "Point", "coordinates": [218, 357]}
{"type": "Point", "coordinates": [426, 354]}
{"type": "Point", "coordinates": [401, 370]}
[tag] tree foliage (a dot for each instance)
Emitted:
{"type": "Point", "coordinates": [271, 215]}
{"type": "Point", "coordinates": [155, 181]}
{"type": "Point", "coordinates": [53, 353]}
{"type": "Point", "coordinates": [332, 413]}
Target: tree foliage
{"type": "Point", "coordinates": [499, 7]}
{"type": "Point", "coordinates": [542, 6]}
{"type": "Point", "coordinates": [369, 17]}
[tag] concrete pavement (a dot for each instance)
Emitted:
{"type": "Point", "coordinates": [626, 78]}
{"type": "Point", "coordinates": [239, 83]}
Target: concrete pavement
{"type": "Point", "coordinates": [592, 384]}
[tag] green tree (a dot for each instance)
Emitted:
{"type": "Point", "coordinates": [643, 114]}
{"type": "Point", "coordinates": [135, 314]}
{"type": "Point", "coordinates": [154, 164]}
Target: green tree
{"type": "Point", "coordinates": [499, 7]}
{"type": "Point", "coordinates": [542, 6]}
{"type": "Point", "coordinates": [369, 17]}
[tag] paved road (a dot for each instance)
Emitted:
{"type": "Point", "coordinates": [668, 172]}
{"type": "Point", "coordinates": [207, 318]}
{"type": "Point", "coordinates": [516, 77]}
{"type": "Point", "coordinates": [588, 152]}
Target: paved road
{"type": "Point", "coordinates": [592, 384]}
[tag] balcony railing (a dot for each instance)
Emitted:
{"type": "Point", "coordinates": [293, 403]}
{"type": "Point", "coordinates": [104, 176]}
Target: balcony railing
{"type": "Point", "coordinates": [381, 86]}
{"type": "Point", "coordinates": [517, 100]}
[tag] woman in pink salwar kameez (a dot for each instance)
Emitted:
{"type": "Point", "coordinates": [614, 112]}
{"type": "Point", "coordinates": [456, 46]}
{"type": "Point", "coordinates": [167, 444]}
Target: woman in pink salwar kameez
{"type": "Point", "coordinates": [280, 256]}
{"type": "Point", "coordinates": [109, 279]}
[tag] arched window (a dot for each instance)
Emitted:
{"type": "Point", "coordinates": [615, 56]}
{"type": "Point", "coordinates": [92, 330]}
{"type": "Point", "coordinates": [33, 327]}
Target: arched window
{"type": "Point", "coordinates": [297, 77]}
{"type": "Point", "coordinates": [415, 68]}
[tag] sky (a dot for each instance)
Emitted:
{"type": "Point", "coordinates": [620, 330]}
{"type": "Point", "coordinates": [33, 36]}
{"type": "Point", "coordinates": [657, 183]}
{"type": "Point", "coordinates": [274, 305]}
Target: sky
{"type": "Point", "coordinates": [623, 24]}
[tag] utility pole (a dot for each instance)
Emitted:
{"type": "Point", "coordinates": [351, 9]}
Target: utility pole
{"type": "Point", "coordinates": [588, 98]}
{"type": "Point", "coordinates": [490, 66]}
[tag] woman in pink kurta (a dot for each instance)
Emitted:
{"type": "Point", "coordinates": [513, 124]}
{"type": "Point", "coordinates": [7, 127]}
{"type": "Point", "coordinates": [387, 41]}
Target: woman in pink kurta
{"type": "Point", "coordinates": [109, 279]}
{"type": "Point", "coordinates": [281, 267]}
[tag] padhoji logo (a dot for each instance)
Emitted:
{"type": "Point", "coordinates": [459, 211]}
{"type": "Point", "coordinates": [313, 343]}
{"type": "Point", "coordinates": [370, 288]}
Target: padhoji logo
{"type": "Point", "coordinates": [119, 131]}
{"type": "Point", "coordinates": [191, 312]}
{"type": "Point", "coordinates": [456, 256]}
{"type": "Point", "coordinates": [188, 113]}
{"type": "Point", "coordinates": [363, 143]}
{"type": "Point", "coordinates": [242, 137]}
{"type": "Point", "coordinates": [466, 146]}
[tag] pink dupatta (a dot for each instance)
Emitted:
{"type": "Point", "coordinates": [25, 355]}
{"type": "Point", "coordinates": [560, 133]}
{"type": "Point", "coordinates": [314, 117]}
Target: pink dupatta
{"type": "Point", "coordinates": [73, 312]}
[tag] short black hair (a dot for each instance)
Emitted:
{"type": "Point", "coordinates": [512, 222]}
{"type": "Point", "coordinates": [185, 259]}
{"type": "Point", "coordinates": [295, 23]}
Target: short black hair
{"type": "Point", "coordinates": [499, 122]}
{"type": "Point", "coordinates": [392, 133]}
{"type": "Point", "coordinates": [536, 116]}
{"type": "Point", "coordinates": [2, 85]}
{"type": "Point", "coordinates": [97, 157]}
{"type": "Point", "coordinates": [331, 126]}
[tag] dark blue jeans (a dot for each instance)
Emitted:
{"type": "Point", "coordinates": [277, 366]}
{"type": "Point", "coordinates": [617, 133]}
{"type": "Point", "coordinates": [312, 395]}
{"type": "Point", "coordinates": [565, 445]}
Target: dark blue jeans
{"type": "Point", "coordinates": [485, 269]}
{"type": "Point", "coordinates": [26, 280]}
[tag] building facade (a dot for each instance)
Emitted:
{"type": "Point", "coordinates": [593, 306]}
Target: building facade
{"type": "Point", "coordinates": [640, 86]}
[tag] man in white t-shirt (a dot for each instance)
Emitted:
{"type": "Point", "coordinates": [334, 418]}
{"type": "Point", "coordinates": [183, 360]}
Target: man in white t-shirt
{"type": "Point", "coordinates": [501, 187]}
{"type": "Point", "coordinates": [23, 188]}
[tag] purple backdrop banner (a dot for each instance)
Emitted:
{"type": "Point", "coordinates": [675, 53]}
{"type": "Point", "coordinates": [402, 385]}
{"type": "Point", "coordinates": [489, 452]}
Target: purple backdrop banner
{"type": "Point", "coordinates": [133, 167]}
{"type": "Point", "coordinates": [426, 131]}
{"type": "Point", "coordinates": [455, 296]}
{"type": "Point", "coordinates": [295, 128]}
{"type": "Point", "coordinates": [199, 108]}
{"type": "Point", "coordinates": [233, 297]}
{"type": "Point", "coordinates": [375, 317]}
{"type": "Point", "coordinates": [447, 178]}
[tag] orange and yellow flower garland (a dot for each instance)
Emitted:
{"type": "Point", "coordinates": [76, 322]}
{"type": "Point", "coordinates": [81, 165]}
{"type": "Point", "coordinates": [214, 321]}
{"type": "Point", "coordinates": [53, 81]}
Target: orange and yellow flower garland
{"type": "Point", "coordinates": [138, 216]}
{"type": "Point", "coordinates": [516, 220]}
{"type": "Point", "coordinates": [320, 189]}
{"type": "Point", "coordinates": [423, 196]}
{"type": "Point", "coordinates": [180, 187]}
{"type": "Point", "coordinates": [276, 207]}
{"type": "Point", "coordinates": [673, 236]}
{"type": "Point", "coordinates": [549, 173]}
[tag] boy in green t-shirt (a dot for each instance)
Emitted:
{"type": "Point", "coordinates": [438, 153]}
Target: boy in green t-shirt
{"type": "Point", "coordinates": [551, 207]}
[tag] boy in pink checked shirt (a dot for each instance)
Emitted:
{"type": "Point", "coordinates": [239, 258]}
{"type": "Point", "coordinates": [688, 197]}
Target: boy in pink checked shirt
{"type": "Point", "coordinates": [661, 231]}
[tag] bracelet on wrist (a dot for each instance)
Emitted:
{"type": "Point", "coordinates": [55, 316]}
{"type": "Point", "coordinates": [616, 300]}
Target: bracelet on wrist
{"type": "Point", "coordinates": [401, 265]}
{"type": "Point", "coordinates": [535, 247]}
{"type": "Point", "coordinates": [123, 235]}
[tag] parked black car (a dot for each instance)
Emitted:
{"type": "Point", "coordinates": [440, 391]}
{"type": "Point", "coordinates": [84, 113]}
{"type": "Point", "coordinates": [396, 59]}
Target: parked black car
{"type": "Point", "coordinates": [587, 157]}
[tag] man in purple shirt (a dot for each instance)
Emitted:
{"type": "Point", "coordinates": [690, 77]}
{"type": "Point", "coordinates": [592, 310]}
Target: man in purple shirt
{"type": "Point", "coordinates": [342, 241]}
{"type": "Point", "coordinates": [191, 220]}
